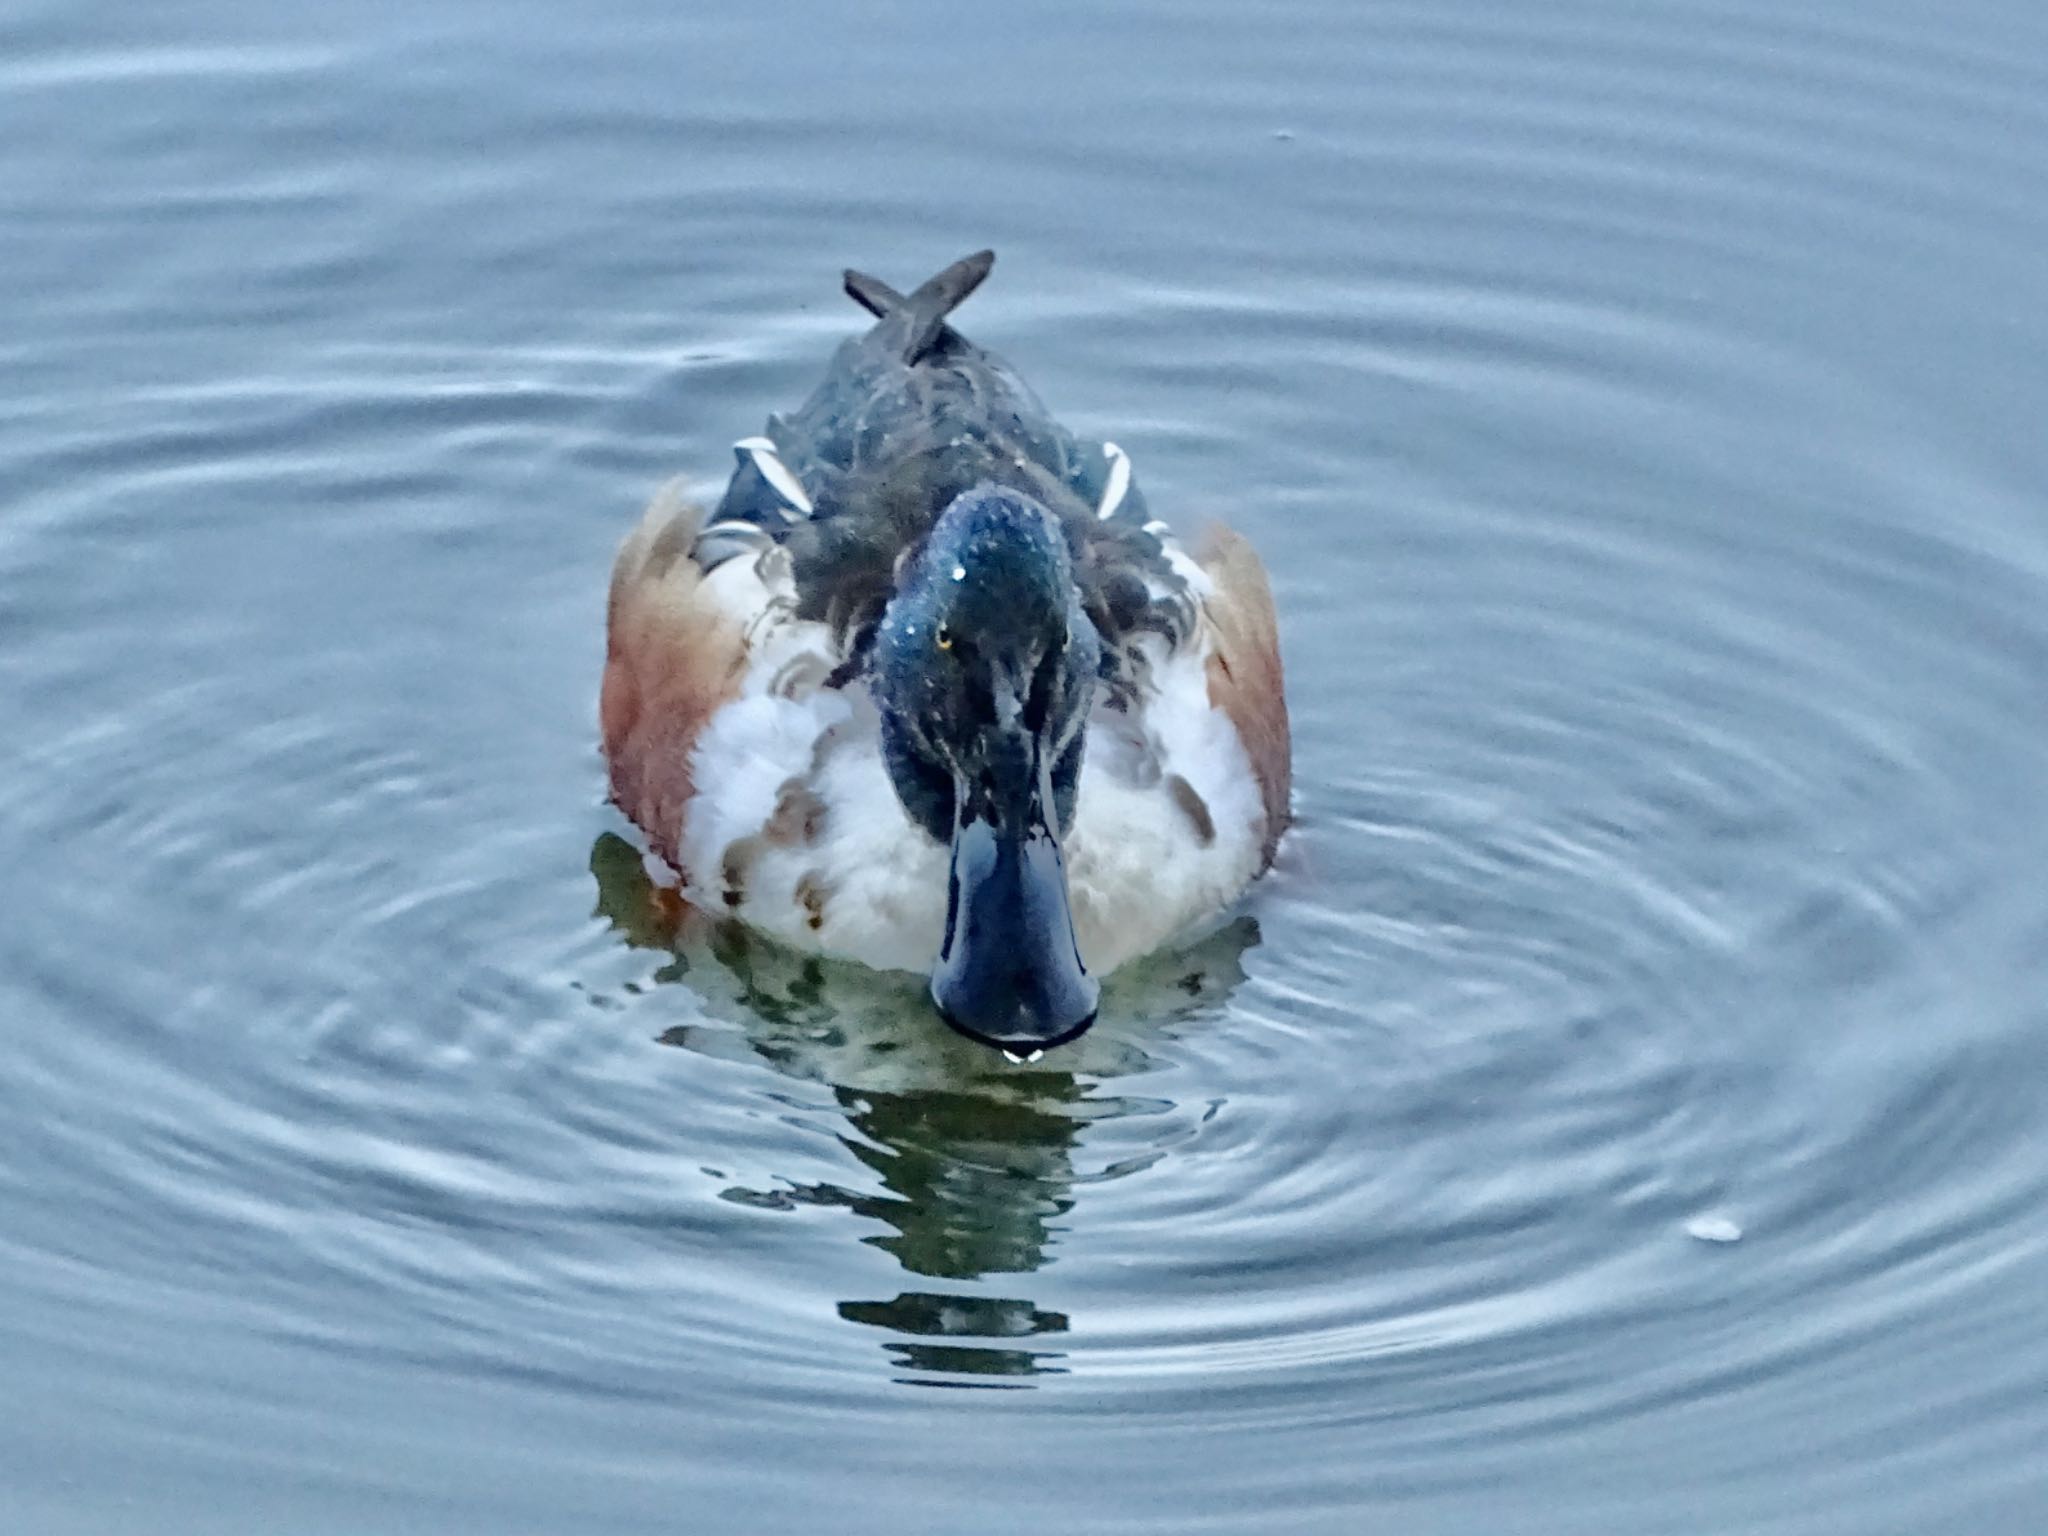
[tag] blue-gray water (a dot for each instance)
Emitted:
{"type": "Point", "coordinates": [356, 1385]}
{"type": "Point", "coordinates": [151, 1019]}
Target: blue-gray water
{"type": "Point", "coordinates": [1640, 408]}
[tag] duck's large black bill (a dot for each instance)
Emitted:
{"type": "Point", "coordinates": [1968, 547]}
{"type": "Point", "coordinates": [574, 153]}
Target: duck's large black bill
{"type": "Point", "coordinates": [1010, 972]}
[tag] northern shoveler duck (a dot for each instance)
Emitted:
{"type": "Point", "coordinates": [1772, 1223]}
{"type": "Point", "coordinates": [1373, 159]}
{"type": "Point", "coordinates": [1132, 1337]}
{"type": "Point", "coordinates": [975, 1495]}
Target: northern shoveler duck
{"type": "Point", "coordinates": [931, 690]}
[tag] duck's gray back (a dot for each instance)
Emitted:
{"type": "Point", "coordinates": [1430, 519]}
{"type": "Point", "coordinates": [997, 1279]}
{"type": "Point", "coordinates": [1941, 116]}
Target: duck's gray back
{"type": "Point", "coordinates": [910, 415]}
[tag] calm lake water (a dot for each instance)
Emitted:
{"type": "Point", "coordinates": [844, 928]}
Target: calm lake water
{"type": "Point", "coordinates": [1623, 1111]}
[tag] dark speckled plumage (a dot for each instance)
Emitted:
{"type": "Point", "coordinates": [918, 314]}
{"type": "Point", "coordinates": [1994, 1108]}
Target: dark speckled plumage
{"type": "Point", "coordinates": [909, 416]}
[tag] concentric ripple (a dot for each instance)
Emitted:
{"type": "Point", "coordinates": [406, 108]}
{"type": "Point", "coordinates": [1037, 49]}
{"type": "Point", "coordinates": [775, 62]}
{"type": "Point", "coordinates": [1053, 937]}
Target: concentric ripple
{"type": "Point", "coordinates": [1620, 1110]}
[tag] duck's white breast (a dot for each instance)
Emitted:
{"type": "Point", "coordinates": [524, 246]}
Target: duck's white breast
{"type": "Point", "coordinates": [795, 829]}
{"type": "Point", "coordinates": [1167, 828]}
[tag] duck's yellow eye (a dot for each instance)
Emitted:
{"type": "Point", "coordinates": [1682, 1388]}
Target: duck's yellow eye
{"type": "Point", "coordinates": [944, 638]}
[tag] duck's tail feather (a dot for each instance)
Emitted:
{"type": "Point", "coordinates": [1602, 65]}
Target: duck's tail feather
{"type": "Point", "coordinates": [922, 313]}
{"type": "Point", "coordinates": [872, 294]}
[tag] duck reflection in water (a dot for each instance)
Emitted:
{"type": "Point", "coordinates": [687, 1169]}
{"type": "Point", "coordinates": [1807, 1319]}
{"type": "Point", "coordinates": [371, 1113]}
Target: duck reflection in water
{"type": "Point", "coordinates": [975, 1155]}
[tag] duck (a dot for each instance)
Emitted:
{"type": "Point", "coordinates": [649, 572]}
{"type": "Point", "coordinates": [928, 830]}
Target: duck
{"type": "Point", "coordinates": [930, 689]}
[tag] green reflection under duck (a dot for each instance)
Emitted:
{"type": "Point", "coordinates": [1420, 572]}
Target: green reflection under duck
{"type": "Point", "coordinates": [974, 1162]}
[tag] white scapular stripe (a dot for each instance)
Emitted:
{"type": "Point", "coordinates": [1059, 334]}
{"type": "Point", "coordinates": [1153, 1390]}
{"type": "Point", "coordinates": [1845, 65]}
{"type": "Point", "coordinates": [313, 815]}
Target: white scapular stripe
{"type": "Point", "coordinates": [1119, 481]}
{"type": "Point", "coordinates": [774, 471]}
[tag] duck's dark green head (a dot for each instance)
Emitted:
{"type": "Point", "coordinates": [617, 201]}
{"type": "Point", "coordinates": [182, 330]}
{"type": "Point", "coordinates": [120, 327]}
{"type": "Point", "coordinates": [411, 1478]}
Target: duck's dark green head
{"type": "Point", "coordinates": [984, 671]}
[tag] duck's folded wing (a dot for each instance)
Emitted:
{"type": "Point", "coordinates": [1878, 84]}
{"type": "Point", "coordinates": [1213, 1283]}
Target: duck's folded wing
{"type": "Point", "coordinates": [1246, 681]}
{"type": "Point", "coordinates": [673, 657]}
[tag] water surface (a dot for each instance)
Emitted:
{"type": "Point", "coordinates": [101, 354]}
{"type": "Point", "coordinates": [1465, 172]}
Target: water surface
{"type": "Point", "coordinates": [1620, 1112]}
